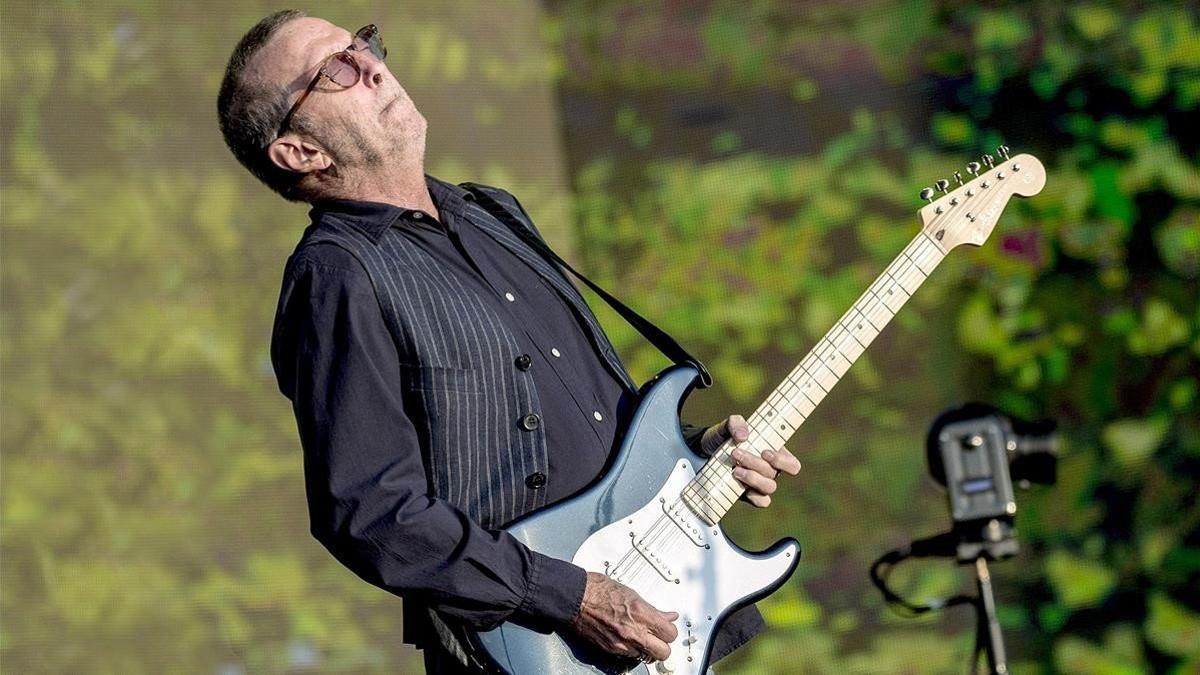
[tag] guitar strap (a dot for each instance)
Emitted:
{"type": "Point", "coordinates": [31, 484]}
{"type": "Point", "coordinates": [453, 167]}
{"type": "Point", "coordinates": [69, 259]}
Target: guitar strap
{"type": "Point", "coordinates": [655, 335]}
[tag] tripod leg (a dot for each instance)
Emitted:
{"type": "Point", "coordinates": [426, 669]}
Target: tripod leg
{"type": "Point", "coordinates": [994, 640]}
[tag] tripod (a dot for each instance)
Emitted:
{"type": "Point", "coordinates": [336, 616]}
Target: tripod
{"type": "Point", "coordinates": [988, 637]}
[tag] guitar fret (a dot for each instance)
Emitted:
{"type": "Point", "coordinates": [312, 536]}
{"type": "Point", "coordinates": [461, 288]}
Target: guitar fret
{"type": "Point", "coordinates": [778, 439]}
{"type": "Point", "coordinates": [927, 255]}
{"type": "Point", "coordinates": [936, 244]}
{"type": "Point", "coordinates": [876, 312]}
{"type": "Point", "coordinates": [860, 323]}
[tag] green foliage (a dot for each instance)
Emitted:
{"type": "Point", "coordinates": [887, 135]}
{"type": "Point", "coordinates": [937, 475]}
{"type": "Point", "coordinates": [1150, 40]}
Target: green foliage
{"type": "Point", "coordinates": [745, 169]}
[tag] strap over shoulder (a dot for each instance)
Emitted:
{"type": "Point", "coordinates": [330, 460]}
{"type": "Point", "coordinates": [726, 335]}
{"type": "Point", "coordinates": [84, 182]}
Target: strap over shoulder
{"type": "Point", "coordinates": [655, 335]}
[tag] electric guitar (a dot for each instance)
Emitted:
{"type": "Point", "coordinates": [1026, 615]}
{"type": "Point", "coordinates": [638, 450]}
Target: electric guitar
{"type": "Point", "coordinates": [651, 521]}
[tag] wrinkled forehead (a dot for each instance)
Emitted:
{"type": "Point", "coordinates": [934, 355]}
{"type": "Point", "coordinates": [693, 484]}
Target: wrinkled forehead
{"type": "Point", "coordinates": [294, 52]}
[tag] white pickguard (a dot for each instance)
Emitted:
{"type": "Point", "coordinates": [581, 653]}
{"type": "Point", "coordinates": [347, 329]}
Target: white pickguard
{"type": "Point", "coordinates": [677, 563]}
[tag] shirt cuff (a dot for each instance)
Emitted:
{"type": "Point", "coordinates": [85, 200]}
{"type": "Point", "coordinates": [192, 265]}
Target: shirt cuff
{"type": "Point", "coordinates": [554, 591]}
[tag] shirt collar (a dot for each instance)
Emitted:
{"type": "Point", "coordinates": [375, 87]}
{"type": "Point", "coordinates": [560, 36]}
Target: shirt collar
{"type": "Point", "coordinates": [374, 218]}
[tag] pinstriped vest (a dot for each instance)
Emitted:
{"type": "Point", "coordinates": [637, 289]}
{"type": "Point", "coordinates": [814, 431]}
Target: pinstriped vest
{"type": "Point", "coordinates": [461, 390]}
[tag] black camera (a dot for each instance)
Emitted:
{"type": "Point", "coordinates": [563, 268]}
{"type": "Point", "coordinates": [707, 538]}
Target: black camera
{"type": "Point", "coordinates": [978, 453]}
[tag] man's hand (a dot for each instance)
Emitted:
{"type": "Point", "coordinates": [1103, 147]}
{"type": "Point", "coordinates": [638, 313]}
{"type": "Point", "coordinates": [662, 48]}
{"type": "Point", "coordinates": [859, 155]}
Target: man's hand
{"type": "Point", "coordinates": [756, 472]}
{"type": "Point", "coordinates": [616, 619]}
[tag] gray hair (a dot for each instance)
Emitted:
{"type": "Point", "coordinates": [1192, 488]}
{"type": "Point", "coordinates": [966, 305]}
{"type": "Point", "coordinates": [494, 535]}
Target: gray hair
{"type": "Point", "coordinates": [250, 112]}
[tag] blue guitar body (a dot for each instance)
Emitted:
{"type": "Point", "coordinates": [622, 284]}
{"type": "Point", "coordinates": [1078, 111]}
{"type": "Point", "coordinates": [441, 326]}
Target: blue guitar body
{"type": "Point", "coordinates": [632, 526]}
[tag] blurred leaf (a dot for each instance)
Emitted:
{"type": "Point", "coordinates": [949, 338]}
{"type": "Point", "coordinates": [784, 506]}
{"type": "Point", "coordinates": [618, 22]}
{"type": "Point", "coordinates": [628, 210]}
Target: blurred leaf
{"type": "Point", "coordinates": [1001, 29]}
{"type": "Point", "coordinates": [1178, 242]}
{"type": "Point", "coordinates": [1161, 329]}
{"type": "Point", "coordinates": [790, 611]}
{"type": "Point", "coordinates": [1095, 21]}
{"type": "Point", "coordinates": [1172, 628]}
{"type": "Point", "coordinates": [1079, 582]}
{"type": "Point", "coordinates": [1133, 441]}
{"type": "Point", "coordinates": [953, 130]}
{"type": "Point", "coordinates": [1111, 202]}
{"type": "Point", "coordinates": [1074, 655]}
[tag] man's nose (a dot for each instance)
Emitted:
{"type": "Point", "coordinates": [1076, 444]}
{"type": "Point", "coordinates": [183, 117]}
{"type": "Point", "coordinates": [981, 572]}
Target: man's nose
{"type": "Point", "coordinates": [373, 70]}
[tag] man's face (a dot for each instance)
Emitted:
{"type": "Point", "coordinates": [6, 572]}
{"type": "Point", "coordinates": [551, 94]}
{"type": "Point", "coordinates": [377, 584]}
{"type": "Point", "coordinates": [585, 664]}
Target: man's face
{"type": "Point", "coordinates": [361, 126]}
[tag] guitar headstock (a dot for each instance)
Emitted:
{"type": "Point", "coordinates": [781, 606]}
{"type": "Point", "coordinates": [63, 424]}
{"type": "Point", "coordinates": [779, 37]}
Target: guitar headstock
{"type": "Point", "coordinates": [967, 213]}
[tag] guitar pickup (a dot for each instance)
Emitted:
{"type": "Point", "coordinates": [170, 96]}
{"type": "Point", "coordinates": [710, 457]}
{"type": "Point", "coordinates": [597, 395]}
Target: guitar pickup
{"type": "Point", "coordinates": [651, 556]}
{"type": "Point", "coordinates": [685, 520]}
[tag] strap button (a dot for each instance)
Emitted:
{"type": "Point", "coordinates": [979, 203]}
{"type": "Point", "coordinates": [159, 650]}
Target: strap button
{"type": "Point", "coordinates": [531, 422]}
{"type": "Point", "coordinates": [535, 481]}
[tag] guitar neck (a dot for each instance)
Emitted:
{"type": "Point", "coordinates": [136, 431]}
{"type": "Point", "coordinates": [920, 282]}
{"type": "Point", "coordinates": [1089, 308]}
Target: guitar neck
{"type": "Point", "coordinates": [714, 489]}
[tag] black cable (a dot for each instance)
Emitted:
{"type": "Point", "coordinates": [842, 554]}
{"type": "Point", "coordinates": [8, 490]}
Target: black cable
{"type": "Point", "coordinates": [940, 545]}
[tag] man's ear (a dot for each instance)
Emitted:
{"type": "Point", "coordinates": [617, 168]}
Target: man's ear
{"type": "Point", "coordinates": [292, 153]}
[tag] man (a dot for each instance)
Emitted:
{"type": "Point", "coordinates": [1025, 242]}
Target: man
{"type": "Point", "coordinates": [445, 377]}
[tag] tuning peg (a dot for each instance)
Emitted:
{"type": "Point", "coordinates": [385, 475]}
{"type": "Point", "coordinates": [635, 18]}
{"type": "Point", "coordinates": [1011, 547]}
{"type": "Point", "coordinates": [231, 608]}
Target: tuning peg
{"type": "Point", "coordinates": [1002, 151]}
{"type": "Point", "coordinates": [973, 168]}
{"type": "Point", "coordinates": [927, 194]}
{"type": "Point", "coordinates": [989, 161]}
{"type": "Point", "coordinates": [942, 185]}
{"type": "Point", "coordinates": [958, 177]}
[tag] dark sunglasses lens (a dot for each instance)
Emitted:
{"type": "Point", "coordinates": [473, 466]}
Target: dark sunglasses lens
{"type": "Point", "coordinates": [368, 38]}
{"type": "Point", "coordinates": [342, 70]}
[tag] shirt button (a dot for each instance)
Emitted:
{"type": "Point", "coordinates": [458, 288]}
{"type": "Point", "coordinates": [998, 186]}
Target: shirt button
{"type": "Point", "coordinates": [531, 422]}
{"type": "Point", "coordinates": [510, 297]}
{"type": "Point", "coordinates": [555, 352]}
{"type": "Point", "coordinates": [524, 362]}
{"type": "Point", "coordinates": [598, 416]}
{"type": "Point", "coordinates": [417, 215]}
{"type": "Point", "coordinates": [535, 480]}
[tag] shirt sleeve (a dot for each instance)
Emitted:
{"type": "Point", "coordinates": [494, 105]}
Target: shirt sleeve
{"type": "Point", "coordinates": [366, 484]}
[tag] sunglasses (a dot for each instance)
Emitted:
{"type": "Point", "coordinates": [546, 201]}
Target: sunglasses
{"type": "Point", "coordinates": [341, 68]}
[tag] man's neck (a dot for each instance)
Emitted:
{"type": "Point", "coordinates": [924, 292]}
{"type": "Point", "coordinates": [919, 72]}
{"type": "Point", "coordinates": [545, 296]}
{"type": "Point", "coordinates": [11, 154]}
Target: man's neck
{"type": "Point", "coordinates": [404, 188]}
